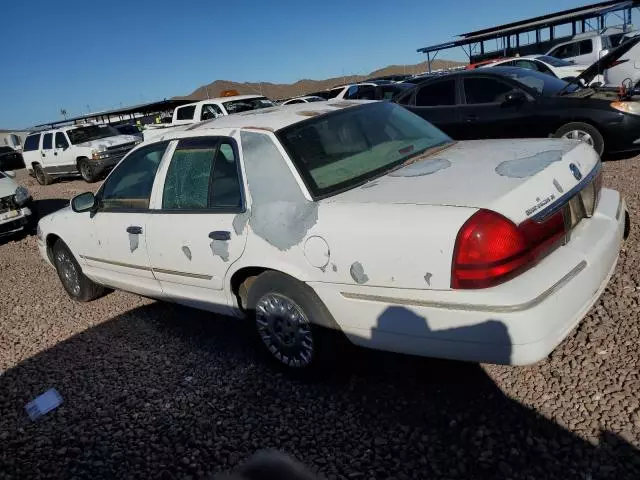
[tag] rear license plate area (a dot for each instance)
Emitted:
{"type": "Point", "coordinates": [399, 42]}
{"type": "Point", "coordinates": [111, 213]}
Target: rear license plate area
{"type": "Point", "coordinates": [581, 205]}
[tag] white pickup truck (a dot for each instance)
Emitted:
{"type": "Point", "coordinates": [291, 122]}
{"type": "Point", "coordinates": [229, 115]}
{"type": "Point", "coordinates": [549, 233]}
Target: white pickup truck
{"type": "Point", "coordinates": [207, 110]}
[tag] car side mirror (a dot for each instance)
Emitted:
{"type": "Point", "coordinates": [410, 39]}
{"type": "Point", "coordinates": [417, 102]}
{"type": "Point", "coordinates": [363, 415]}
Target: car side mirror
{"type": "Point", "coordinates": [10, 174]}
{"type": "Point", "coordinates": [83, 202]}
{"type": "Point", "coordinates": [515, 97]}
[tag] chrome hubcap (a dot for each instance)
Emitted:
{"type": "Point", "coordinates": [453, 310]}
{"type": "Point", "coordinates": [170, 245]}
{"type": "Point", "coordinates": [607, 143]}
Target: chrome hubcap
{"type": "Point", "coordinates": [68, 272]}
{"type": "Point", "coordinates": [579, 135]}
{"type": "Point", "coordinates": [85, 170]}
{"type": "Point", "coordinates": [285, 330]}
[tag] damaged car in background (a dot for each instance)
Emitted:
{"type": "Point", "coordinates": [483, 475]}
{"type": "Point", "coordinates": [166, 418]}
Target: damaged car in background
{"type": "Point", "coordinates": [510, 102]}
{"type": "Point", "coordinates": [16, 210]}
{"type": "Point", "coordinates": [356, 220]}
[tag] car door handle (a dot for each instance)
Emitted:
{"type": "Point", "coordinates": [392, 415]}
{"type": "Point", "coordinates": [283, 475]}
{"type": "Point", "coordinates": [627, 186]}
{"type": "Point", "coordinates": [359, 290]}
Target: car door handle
{"type": "Point", "coordinates": [471, 118]}
{"type": "Point", "coordinates": [55, 153]}
{"type": "Point", "coordinates": [220, 235]}
{"type": "Point", "coordinates": [42, 153]}
{"type": "Point", "coordinates": [134, 230]}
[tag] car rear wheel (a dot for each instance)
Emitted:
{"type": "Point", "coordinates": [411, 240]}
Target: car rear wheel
{"type": "Point", "coordinates": [42, 177]}
{"type": "Point", "coordinates": [294, 328]}
{"type": "Point", "coordinates": [77, 285]}
{"type": "Point", "coordinates": [87, 170]}
{"type": "Point", "coordinates": [584, 132]}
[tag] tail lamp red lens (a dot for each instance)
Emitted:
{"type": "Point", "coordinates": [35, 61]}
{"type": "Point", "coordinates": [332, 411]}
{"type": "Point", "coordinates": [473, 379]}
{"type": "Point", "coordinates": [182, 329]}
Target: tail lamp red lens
{"type": "Point", "coordinates": [490, 249]}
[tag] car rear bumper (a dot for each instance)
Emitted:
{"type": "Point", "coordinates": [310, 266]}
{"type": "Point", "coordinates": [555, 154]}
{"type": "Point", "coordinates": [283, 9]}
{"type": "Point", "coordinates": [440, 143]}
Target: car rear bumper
{"type": "Point", "coordinates": [519, 322]}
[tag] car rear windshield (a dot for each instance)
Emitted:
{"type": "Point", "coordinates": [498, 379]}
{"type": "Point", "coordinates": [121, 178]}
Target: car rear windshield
{"type": "Point", "coordinates": [91, 132]}
{"type": "Point", "coordinates": [542, 83]}
{"type": "Point", "coordinates": [553, 61]}
{"type": "Point", "coordinates": [237, 106]}
{"type": "Point", "coordinates": [346, 148]}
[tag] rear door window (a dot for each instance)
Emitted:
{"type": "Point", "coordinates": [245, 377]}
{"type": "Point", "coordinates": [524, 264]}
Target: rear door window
{"type": "Point", "coordinates": [31, 143]}
{"type": "Point", "coordinates": [485, 90]}
{"type": "Point", "coordinates": [203, 174]}
{"type": "Point", "coordinates": [437, 94]}
{"type": "Point", "coordinates": [61, 140]}
{"type": "Point", "coordinates": [47, 141]}
{"type": "Point", "coordinates": [186, 113]}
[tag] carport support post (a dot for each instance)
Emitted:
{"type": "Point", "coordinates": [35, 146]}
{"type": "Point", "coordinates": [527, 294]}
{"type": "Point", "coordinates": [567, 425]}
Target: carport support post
{"type": "Point", "coordinates": [429, 62]}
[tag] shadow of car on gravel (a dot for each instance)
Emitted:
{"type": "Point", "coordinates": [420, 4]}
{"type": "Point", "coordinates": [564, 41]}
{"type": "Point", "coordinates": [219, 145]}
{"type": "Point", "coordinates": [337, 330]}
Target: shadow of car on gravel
{"type": "Point", "coordinates": [165, 391]}
{"type": "Point", "coordinates": [45, 206]}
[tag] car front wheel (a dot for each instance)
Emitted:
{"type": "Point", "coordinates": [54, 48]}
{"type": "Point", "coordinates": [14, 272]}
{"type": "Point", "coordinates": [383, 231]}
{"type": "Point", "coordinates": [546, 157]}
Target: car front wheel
{"type": "Point", "coordinates": [87, 170]}
{"type": "Point", "coordinates": [294, 327]}
{"type": "Point", "coordinates": [77, 285]}
{"type": "Point", "coordinates": [584, 132]}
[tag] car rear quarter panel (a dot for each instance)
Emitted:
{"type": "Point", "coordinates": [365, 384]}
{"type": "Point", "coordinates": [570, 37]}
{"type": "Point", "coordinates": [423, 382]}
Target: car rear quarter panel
{"type": "Point", "coordinates": [400, 246]}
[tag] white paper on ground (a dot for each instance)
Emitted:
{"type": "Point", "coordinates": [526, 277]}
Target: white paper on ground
{"type": "Point", "coordinates": [43, 404]}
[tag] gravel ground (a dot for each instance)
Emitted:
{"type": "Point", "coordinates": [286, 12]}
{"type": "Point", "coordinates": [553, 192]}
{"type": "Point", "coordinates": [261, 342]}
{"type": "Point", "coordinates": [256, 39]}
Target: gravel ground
{"type": "Point", "coordinates": [153, 390]}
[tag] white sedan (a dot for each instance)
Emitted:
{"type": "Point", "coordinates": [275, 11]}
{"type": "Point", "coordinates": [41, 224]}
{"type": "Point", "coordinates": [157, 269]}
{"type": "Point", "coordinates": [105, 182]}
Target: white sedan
{"type": "Point", "coordinates": [304, 99]}
{"type": "Point", "coordinates": [544, 64]}
{"type": "Point", "coordinates": [352, 219]}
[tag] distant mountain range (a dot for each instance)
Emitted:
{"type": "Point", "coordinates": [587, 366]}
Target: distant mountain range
{"type": "Point", "coordinates": [277, 91]}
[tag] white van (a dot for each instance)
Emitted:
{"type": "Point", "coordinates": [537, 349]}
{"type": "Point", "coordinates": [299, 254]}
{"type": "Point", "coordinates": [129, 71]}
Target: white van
{"type": "Point", "coordinates": [90, 150]}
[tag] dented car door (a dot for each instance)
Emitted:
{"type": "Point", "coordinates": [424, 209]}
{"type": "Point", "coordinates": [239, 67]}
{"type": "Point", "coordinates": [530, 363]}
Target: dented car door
{"type": "Point", "coordinates": [116, 252]}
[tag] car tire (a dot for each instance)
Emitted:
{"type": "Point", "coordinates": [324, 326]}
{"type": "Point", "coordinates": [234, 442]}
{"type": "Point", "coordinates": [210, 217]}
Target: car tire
{"type": "Point", "coordinates": [584, 132]}
{"type": "Point", "coordinates": [86, 170]}
{"type": "Point", "coordinates": [305, 341]}
{"type": "Point", "coordinates": [42, 177]}
{"type": "Point", "coordinates": [76, 284]}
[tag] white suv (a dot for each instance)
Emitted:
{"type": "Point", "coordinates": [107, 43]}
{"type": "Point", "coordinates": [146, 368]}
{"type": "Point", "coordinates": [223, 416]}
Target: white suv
{"type": "Point", "coordinates": [89, 150]}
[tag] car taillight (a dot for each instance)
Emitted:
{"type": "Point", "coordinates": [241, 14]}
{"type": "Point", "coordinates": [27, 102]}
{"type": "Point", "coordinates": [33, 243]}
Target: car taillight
{"type": "Point", "coordinates": [490, 249]}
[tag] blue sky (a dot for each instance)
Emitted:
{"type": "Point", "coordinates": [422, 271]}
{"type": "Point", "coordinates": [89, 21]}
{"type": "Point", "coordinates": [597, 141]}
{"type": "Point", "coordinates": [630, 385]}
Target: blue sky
{"type": "Point", "coordinates": [89, 55]}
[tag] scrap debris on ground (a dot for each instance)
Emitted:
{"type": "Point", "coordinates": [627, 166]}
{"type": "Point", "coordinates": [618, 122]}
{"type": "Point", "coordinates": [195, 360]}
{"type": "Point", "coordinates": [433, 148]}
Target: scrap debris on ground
{"type": "Point", "coordinates": [153, 390]}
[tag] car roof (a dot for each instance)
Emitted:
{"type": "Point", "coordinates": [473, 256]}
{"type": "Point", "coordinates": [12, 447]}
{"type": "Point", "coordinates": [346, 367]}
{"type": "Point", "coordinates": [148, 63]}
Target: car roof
{"type": "Point", "coordinates": [276, 118]}
{"type": "Point", "coordinates": [222, 99]}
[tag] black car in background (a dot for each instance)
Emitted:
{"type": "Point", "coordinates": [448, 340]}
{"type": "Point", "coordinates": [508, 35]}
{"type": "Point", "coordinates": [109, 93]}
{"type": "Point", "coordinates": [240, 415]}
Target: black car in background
{"type": "Point", "coordinates": [10, 159]}
{"type": "Point", "coordinates": [398, 77]}
{"type": "Point", "coordinates": [509, 102]}
{"type": "Point", "coordinates": [384, 91]}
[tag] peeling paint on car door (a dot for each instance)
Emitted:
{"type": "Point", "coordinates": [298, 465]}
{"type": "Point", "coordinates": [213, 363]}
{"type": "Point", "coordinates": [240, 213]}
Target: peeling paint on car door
{"type": "Point", "coordinates": [194, 232]}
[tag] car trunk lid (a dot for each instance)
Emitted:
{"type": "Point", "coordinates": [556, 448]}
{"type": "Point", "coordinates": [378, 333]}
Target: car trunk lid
{"type": "Point", "coordinates": [516, 178]}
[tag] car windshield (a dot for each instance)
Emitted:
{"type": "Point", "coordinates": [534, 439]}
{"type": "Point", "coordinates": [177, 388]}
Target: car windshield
{"type": "Point", "coordinates": [128, 129]}
{"type": "Point", "coordinates": [91, 132]}
{"type": "Point", "coordinates": [348, 147]}
{"type": "Point", "coordinates": [244, 105]}
{"type": "Point", "coordinates": [553, 61]}
{"type": "Point", "coordinates": [544, 84]}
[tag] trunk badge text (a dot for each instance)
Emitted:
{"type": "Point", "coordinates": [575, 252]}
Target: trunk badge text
{"type": "Point", "coordinates": [576, 171]}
